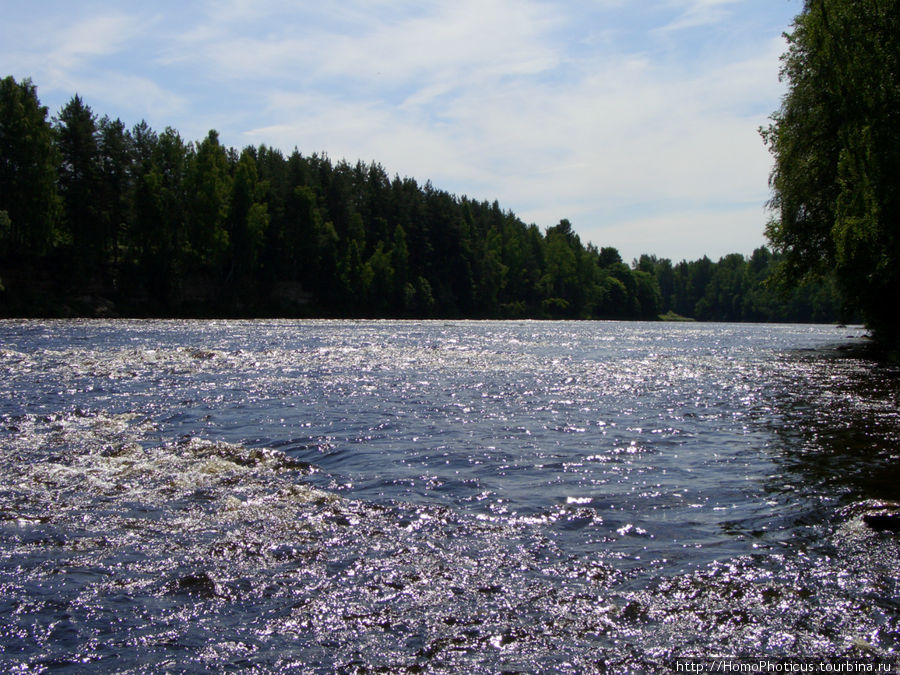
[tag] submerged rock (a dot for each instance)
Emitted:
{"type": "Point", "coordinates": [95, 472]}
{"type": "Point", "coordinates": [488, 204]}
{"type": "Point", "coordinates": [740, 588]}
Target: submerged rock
{"type": "Point", "coordinates": [883, 516]}
{"type": "Point", "coordinates": [200, 584]}
{"type": "Point", "coordinates": [883, 520]}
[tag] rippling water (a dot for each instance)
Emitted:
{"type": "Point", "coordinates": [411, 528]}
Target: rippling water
{"type": "Point", "coordinates": [441, 497]}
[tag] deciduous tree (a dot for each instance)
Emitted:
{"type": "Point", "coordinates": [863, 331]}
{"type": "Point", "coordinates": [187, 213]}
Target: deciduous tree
{"type": "Point", "coordinates": [836, 143]}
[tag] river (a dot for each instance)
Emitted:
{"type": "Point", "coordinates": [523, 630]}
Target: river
{"type": "Point", "coordinates": [335, 496]}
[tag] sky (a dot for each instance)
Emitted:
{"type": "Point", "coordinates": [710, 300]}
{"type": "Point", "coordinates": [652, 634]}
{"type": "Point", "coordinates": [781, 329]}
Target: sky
{"type": "Point", "coordinates": [636, 120]}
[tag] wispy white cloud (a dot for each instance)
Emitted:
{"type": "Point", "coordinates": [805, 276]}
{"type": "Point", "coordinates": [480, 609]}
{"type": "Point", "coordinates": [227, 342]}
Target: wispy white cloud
{"type": "Point", "coordinates": [68, 48]}
{"type": "Point", "coordinates": [91, 55]}
{"type": "Point", "coordinates": [614, 135]}
{"type": "Point", "coordinates": [446, 41]}
{"type": "Point", "coordinates": [95, 36]}
{"type": "Point", "coordinates": [694, 13]}
{"type": "Point", "coordinates": [140, 96]}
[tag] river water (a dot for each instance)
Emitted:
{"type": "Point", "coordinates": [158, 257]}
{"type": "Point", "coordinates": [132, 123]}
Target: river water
{"type": "Point", "coordinates": [473, 497]}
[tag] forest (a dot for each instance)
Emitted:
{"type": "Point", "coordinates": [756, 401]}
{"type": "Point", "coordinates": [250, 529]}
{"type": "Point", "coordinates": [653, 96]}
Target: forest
{"type": "Point", "coordinates": [99, 219]}
{"type": "Point", "coordinates": [836, 145]}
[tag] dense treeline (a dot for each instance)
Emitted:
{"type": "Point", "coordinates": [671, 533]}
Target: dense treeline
{"type": "Point", "coordinates": [836, 144]}
{"type": "Point", "coordinates": [99, 218]}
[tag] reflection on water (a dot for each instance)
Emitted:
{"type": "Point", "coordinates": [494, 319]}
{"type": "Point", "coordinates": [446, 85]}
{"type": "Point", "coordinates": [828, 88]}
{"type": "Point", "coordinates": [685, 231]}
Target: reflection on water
{"type": "Point", "coordinates": [437, 497]}
{"type": "Point", "coordinates": [841, 429]}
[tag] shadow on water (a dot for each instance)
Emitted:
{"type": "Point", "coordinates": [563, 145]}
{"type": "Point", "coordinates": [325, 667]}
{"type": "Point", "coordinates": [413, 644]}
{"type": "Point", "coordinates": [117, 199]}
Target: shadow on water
{"type": "Point", "coordinates": [820, 576]}
{"type": "Point", "coordinates": [838, 426]}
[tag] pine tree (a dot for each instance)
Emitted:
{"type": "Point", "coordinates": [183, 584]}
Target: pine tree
{"type": "Point", "coordinates": [28, 164]}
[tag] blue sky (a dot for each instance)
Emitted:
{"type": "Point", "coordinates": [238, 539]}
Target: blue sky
{"type": "Point", "coordinates": [635, 119]}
